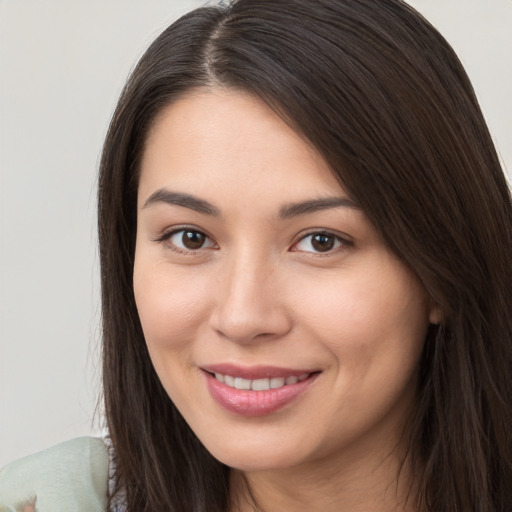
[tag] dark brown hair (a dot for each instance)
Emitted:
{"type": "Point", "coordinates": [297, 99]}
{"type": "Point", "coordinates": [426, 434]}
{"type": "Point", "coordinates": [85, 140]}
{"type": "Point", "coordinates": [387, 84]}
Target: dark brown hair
{"type": "Point", "coordinates": [385, 100]}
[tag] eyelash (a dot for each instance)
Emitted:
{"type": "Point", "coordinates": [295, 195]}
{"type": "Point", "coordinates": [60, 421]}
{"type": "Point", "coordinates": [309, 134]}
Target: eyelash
{"type": "Point", "coordinates": [342, 243]}
{"type": "Point", "coordinates": [167, 236]}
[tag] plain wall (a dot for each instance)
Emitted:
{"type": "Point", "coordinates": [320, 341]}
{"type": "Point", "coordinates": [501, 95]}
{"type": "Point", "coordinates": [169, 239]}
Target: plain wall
{"type": "Point", "coordinates": [62, 66]}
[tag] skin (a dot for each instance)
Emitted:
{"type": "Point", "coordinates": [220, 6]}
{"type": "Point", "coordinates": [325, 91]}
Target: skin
{"type": "Point", "coordinates": [259, 293]}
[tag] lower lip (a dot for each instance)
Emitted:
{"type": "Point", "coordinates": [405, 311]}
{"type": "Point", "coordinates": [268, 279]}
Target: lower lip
{"type": "Point", "coordinates": [255, 403]}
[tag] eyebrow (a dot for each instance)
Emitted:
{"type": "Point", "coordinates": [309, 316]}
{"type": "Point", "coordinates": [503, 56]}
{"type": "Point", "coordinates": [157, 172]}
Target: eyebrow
{"type": "Point", "coordinates": [288, 211]}
{"type": "Point", "coordinates": [180, 199]}
{"type": "Point", "coordinates": [315, 205]}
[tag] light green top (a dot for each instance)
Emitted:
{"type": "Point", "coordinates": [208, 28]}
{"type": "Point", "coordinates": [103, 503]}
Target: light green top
{"type": "Point", "coordinates": [72, 476]}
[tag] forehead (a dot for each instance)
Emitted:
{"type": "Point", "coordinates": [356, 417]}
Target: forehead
{"type": "Point", "coordinates": [212, 138]}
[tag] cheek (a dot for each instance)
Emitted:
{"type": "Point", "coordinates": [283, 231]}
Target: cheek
{"type": "Point", "coordinates": [373, 324]}
{"type": "Point", "coordinates": [375, 318]}
{"type": "Point", "coordinates": [172, 310]}
{"type": "Point", "coordinates": [171, 306]}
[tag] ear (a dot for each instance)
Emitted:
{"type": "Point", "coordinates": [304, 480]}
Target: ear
{"type": "Point", "coordinates": [435, 314]}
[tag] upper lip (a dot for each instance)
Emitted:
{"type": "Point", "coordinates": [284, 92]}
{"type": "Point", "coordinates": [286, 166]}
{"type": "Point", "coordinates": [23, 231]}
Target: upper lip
{"type": "Point", "coordinates": [255, 372]}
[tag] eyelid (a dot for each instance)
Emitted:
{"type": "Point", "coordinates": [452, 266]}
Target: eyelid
{"type": "Point", "coordinates": [343, 239]}
{"type": "Point", "coordinates": [345, 242]}
{"type": "Point", "coordinates": [170, 232]}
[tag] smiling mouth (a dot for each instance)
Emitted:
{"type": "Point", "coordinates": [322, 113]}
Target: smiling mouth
{"type": "Point", "coordinates": [259, 384]}
{"type": "Point", "coordinates": [269, 390]}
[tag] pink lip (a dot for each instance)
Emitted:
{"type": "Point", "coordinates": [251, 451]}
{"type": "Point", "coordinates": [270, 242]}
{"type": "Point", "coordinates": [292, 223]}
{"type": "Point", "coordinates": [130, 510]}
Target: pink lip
{"type": "Point", "coordinates": [256, 403]}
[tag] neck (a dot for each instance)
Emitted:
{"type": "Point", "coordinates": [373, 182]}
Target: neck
{"type": "Point", "coordinates": [379, 484]}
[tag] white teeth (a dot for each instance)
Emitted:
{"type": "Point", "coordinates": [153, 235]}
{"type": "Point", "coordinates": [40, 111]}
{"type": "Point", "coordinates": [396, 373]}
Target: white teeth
{"type": "Point", "coordinates": [277, 382]}
{"type": "Point", "coordinates": [242, 383]}
{"type": "Point", "coordinates": [259, 384]}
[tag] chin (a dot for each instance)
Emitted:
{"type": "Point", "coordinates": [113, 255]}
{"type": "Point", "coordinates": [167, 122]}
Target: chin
{"type": "Point", "coordinates": [251, 461]}
{"type": "Point", "coordinates": [259, 454]}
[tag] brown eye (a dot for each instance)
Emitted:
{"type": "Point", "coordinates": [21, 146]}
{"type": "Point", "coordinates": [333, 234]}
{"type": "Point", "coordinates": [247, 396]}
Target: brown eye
{"type": "Point", "coordinates": [323, 242]}
{"type": "Point", "coordinates": [319, 243]}
{"type": "Point", "coordinates": [193, 239]}
{"type": "Point", "coordinates": [189, 240]}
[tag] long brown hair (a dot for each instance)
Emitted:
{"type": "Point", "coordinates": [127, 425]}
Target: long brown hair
{"type": "Point", "coordinates": [385, 100]}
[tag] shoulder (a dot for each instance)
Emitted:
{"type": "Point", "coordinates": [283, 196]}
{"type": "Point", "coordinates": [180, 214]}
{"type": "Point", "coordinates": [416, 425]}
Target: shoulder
{"type": "Point", "coordinates": [70, 476]}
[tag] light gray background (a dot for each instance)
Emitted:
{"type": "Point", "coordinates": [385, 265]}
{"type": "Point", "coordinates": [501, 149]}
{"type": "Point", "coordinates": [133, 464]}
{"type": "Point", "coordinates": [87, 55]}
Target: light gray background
{"type": "Point", "coordinates": [62, 66]}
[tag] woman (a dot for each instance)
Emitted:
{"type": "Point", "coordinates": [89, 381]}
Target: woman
{"type": "Point", "coordinates": [305, 237]}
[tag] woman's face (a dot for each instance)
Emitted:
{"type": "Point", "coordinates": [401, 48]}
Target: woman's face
{"type": "Point", "coordinates": [278, 322]}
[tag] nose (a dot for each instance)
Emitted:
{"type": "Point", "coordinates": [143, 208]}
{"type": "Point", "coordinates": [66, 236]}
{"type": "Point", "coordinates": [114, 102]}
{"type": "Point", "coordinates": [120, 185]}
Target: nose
{"type": "Point", "coordinates": [250, 304]}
